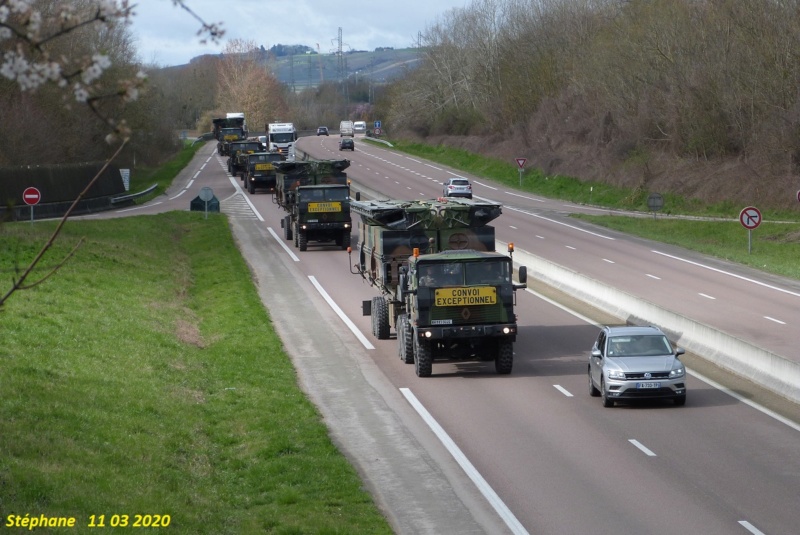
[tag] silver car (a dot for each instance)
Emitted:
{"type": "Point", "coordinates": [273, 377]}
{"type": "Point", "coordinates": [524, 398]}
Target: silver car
{"type": "Point", "coordinates": [457, 187]}
{"type": "Point", "coordinates": [628, 363]}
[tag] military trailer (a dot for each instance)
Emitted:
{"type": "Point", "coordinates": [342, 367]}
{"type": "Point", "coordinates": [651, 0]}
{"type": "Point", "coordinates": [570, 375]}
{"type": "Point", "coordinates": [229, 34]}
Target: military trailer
{"type": "Point", "coordinates": [316, 196]}
{"type": "Point", "coordinates": [445, 291]}
{"type": "Point", "coordinates": [261, 170]}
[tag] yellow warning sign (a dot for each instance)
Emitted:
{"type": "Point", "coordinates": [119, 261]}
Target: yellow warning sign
{"type": "Point", "coordinates": [459, 297]}
{"type": "Point", "coordinates": [325, 207]}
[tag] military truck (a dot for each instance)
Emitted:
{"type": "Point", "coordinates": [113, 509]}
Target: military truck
{"type": "Point", "coordinates": [316, 195]}
{"type": "Point", "coordinates": [232, 127]}
{"type": "Point", "coordinates": [444, 289]}
{"type": "Point", "coordinates": [261, 170]}
{"type": "Point", "coordinates": [237, 156]}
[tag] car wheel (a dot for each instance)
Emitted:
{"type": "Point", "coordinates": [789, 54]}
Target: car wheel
{"type": "Point", "coordinates": [593, 391]}
{"type": "Point", "coordinates": [607, 402]}
{"type": "Point", "coordinates": [680, 401]}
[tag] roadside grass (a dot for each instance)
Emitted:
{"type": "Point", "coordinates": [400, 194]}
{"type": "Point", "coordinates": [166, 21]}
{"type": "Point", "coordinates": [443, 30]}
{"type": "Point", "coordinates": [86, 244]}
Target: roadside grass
{"type": "Point", "coordinates": [145, 378]}
{"type": "Point", "coordinates": [775, 246]}
{"type": "Point", "coordinates": [144, 177]}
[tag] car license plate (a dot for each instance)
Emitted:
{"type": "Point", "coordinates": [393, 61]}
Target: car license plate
{"type": "Point", "coordinates": [648, 385]}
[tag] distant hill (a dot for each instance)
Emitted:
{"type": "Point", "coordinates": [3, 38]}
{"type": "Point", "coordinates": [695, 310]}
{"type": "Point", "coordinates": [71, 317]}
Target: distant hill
{"type": "Point", "coordinates": [304, 70]}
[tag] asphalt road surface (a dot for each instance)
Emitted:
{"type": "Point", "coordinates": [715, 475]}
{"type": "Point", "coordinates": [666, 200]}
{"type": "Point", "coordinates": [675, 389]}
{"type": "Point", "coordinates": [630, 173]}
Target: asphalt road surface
{"type": "Point", "coordinates": [468, 451]}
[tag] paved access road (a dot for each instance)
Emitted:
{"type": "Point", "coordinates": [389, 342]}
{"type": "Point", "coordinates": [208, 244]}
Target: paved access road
{"type": "Point", "coordinates": [469, 451]}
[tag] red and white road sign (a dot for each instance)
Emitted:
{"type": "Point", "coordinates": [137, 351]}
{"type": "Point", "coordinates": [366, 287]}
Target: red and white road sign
{"type": "Point", "coordinates": [750, 217]}
{"type": "Point", "coordinates": [377, 131]}
{"type": "Point", "coordinates": [31, 196]}
{"type": "Point", "coordinates": [521, 162]}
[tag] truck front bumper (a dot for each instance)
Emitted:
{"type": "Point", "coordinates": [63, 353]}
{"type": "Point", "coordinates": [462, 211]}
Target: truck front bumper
{"type": "Point", "coordinates": [449, 332]}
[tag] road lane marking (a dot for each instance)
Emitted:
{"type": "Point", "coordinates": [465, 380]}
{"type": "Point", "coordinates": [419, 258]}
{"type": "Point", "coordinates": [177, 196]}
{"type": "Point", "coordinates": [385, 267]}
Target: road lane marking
{"type": "Point", "coordinates": [642, 447]}
{"type": "Point", "coordinates": [750, 527]}
{"type": "Point", "coordinates": [573, 227]}
{"type": "Point", "coordinates": [707, 296]}
{"type": "Point", "coordinates": [350, 325]}
{"type": "Point", "coordinates": [653, 277]}
{"type": "Point", "coordinates": [524, 197]}
{"type": "Point", "coordinates": [570, 247]}
{"type": "Point", "coordinates": [483, 486]}
{"type": "Point", "coordinates": [764, 284]}
{"type": "Point", "coordinates": [609, 261]}
{"type": "Point", "coordinates": [563, 390]}
{"type": "Point", "coordinates": [285, 247]}
{"type": "Point", "coordinates": [775, 320]}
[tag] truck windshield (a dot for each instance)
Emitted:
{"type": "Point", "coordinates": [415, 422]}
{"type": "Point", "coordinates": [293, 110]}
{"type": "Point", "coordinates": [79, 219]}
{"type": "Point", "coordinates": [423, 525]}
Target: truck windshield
{"type": "Point", "coordinates": [439, 275]}
{"type": "Point", "coordinates": [283, 137]}
{"type": "Point", "coordinates": [489, 272]}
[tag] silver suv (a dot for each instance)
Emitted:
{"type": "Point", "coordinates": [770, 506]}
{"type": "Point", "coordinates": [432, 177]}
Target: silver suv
{"type": "Point", "coordinates": [457, 187]}
{"type": "Point", "coordinates": [629, 363]}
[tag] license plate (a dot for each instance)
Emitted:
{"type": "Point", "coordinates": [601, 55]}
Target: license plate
{"type": "Point", "coordinates": [648, 385]}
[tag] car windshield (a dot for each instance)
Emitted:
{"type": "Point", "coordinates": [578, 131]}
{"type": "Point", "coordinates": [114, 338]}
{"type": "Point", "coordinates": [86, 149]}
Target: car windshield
{"type": "Point", "coordinates": [646, 345]}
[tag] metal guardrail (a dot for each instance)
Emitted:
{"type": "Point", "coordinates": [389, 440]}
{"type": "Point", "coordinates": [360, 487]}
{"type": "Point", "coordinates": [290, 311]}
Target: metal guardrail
{"type": "Point", "coordinates": [132, 196]}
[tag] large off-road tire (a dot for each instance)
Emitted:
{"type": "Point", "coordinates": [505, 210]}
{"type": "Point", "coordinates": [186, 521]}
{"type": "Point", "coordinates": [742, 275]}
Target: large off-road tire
{"type": "Point", "coordinates": [423, 358]}
{"type": "Point", "coordinates": [345, 240]}
{"type": "Point", "coordinates": [302, 240]}
{"type": "Point", "coordinates": [593, 391]}
{"type": "Point", "coordinates": [287, 228]}
{"type": "Point", "coordinates": [251, 188]}
{"type": "Point", "coordinates": [380, 314]}
{"type": "Point", "coordinates": [405, 339]}
{"type": "Point", "coordinates": [505, 357]}
{"type": "Point", "coordinates": [607, 401]}
{"type": "Point", "coordinates": [296, 236]}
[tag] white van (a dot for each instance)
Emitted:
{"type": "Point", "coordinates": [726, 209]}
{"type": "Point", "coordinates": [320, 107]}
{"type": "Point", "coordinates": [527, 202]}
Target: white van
{"type": "Point", "coordinates": [346, 128]}
{"type": "Point", "coordinates": [360, 127]}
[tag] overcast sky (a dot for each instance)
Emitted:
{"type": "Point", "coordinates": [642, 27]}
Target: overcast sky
{"type": "Point", "coordinates": [166, 35]}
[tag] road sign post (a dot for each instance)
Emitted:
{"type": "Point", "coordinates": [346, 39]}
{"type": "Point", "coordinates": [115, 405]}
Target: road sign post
{"type": "Point", "coordinates": [206, 194]}
{"type": "Point", "coordinates": [521, 165]}
{"type": "Point", "coordinates": [31, 196]}
{"type": "Point", "coordinates": [750, 218]}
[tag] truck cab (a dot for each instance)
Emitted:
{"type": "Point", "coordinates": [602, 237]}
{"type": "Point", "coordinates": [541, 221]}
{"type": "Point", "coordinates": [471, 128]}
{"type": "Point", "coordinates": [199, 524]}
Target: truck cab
{"type": "Point", "coordinates": [261, 170]}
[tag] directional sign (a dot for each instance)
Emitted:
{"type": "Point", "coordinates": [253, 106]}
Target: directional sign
{"type": "Point", "coordinates": [750, 217]}
{"type": "Point", "coordinates": [521, 162]}
{"type": "Point", "coordinates": [31, 196]}
{"type": "Point", "coordinates": [376, 124]}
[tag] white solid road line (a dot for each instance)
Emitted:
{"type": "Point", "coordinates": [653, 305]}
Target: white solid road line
{"type": "Point", "coordinates": [352, 326]}
{"type": "Point", "coordinates": [642, 447]}
{"type": "Point", "coordinates": [483, 486]}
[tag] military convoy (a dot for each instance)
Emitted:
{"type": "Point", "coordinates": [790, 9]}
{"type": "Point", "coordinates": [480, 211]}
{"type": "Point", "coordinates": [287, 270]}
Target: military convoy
{"type": "Point", "coordinates": [316, 196]}
{"type": "Point", "coordinates": [445, 291]}
{"type": "Point", "coordinates": [238, 152]}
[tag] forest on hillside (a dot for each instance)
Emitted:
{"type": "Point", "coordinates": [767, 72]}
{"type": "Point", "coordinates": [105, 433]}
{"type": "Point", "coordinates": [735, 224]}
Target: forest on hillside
{"type": "Point", "coordinates": [698, 96]}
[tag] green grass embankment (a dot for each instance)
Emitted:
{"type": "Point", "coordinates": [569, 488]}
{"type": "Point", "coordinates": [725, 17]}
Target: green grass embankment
{"type": "Point", "coordinates": [145, 378]}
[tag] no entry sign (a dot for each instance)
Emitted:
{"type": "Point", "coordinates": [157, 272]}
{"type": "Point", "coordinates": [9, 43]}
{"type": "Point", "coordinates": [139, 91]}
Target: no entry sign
{"type": "Point", "coordinates": [31, 196]}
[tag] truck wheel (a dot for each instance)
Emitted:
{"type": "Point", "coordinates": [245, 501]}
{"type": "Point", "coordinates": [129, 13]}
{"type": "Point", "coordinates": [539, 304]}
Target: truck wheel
{"type": "Point", "coordinates": [405, 339]}
{"type": "Point", "coordinates": [303, 239]}
{"type": "Point", "coordinates": [380, 311]}
{"type": "Point", "coordinates": [345, 239]}
{"type": "Point", "coordinates": [251, 188]}
{"type": "Point", "coordinates": [296, 237]}
{"type": "Point", "coordinates": [423, 361]}
{"type": "Point", "coordinates": [505, 357]}
{"type": "Point", "coordinates": [287, 228]}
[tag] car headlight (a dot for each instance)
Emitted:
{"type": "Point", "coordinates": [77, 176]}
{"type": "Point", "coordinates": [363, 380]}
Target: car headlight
{"type": "Point", "coordinates": [677, 372]}
{"type": "Point", "coordinates": [616, 374]}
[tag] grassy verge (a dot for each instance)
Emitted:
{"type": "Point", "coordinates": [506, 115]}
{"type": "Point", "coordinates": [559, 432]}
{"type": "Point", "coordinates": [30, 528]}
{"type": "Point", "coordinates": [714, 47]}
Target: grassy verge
{"type": "Point", "coordinates": [775, 247]}
{"type": "Point", "coordinates": [144, 177]}
{"type": "Point", "coordinates": [145, 378]}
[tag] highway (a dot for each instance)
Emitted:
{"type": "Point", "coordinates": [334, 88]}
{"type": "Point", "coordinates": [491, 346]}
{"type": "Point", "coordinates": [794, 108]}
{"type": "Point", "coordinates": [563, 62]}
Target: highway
{"type": "Point", "coordinates": [467, 450]}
